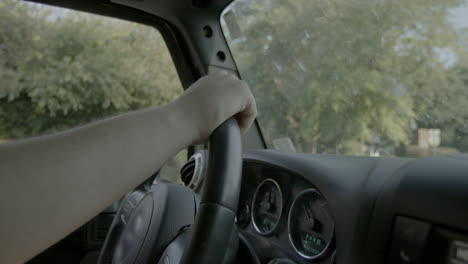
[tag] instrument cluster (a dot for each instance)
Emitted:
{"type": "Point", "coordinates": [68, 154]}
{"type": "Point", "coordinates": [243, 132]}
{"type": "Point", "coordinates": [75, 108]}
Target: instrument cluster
{"type": "Point", "coordinates": [288, 211]}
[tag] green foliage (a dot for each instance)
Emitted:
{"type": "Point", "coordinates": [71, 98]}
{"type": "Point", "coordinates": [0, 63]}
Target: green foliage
{"type": "Point", "coordinates": [60, 68]}
{"type": "Point", "coordinates": [339, 74]}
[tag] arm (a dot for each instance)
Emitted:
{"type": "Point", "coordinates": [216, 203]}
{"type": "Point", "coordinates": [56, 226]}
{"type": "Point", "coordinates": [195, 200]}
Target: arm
{"type": "Point", "coordinates": [51, 185]}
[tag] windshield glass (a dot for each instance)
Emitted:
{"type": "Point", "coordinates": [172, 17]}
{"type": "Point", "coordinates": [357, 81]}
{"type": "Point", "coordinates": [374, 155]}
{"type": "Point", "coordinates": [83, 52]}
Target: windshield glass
{"type": "Point", "coordinates": [360, 77]}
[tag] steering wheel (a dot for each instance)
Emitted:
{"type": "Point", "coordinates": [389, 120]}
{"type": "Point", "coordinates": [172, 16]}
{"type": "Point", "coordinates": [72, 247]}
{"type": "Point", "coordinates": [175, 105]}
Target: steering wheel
{"type": "Point", "coordinates": [165, 222]}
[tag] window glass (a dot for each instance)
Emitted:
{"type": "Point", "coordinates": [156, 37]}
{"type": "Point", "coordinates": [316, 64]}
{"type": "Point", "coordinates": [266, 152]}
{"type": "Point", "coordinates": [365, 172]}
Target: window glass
{"type": "Point", "coordinates": [171, 170]}
{"type": "Point", "coordinates": [61, 68]}
{"type": "Point", "coordinates": [360, 77]}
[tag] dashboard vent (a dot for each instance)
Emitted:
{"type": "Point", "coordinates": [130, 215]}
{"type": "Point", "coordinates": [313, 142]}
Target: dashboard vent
{"type": "Point", "coordinates": [193, 172]}
{"type": "Point", "coordinates": [186, 173]}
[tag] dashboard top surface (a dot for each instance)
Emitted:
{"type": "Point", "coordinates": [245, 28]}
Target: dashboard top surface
{"type": "Point", "coordinates": [364, 195]}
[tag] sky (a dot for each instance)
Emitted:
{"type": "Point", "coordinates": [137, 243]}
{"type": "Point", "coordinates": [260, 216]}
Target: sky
{"type": "Point", "coordinates": [460, 15]}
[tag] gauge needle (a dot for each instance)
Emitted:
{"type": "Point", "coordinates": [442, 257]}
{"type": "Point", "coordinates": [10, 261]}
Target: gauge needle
{"type": "Point", "coordinates": [270, 201]}
{"type": "Point", "coordinates": [309, 214]}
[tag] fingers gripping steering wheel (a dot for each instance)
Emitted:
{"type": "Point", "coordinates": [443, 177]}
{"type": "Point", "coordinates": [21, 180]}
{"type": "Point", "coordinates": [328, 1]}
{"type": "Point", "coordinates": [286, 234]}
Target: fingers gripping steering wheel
{"type": "Point", "coordinates": [149, 222]}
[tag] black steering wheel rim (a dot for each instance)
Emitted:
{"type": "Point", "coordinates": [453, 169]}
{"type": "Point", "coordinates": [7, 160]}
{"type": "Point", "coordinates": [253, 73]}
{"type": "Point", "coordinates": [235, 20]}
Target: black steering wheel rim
{"type": "Point", "coordinates": [216, 215]}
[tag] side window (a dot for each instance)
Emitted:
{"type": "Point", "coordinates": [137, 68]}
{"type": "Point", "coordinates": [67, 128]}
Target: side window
{"type": "Point", "coordinates": [61, 68]}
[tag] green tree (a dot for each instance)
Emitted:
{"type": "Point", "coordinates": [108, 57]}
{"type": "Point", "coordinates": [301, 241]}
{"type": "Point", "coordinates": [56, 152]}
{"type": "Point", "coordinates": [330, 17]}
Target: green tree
{"type": "Point", "coordinates": [337, 74]}
{"type": "Point", "coordinates": [62, 68]}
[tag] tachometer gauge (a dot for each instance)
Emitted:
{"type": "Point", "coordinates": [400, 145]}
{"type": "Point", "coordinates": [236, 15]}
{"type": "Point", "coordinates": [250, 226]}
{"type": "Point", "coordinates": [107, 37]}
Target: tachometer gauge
{"type": "Point", "coordinates": [310, 224]}
{"type": "Point", "coordinates": [267, 207]}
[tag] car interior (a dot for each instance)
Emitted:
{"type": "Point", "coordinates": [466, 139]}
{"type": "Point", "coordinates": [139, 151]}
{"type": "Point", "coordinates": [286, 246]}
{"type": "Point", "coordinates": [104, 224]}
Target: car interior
{"type": "Point", "coordinates": [270, 197]}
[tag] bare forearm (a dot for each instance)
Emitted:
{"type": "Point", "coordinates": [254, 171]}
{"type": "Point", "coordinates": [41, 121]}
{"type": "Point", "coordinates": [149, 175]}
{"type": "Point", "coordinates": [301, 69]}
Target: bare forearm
{"type": "Point", "coordinates": [51, 185]}
{"type": "Point", "coordinates": [63, 180]}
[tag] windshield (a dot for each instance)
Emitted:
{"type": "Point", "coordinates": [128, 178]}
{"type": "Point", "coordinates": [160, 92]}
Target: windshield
{"type": "Point", "coordinates": [360, 77]}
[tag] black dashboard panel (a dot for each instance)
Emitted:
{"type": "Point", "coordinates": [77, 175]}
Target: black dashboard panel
{"type": "Point", "coordinates": [432, 190]}
{"type": "Point", "coordinates": [365, 196]}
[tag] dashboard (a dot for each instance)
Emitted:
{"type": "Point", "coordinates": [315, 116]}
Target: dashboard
{"type": "Point", "coordinates": [306, 208]}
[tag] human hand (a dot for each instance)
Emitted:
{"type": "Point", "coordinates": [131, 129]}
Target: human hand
{"type": "Point", "coordinates": [215, 98]}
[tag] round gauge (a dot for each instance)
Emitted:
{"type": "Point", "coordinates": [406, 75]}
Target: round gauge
{"type": "Point", "coordinates": [267, 206]}
{"type": "Point", "coordinates": [310, 224]}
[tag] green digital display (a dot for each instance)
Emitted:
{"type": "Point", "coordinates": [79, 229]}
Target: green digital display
{"type": "Point", "coordinates": [311, 243]}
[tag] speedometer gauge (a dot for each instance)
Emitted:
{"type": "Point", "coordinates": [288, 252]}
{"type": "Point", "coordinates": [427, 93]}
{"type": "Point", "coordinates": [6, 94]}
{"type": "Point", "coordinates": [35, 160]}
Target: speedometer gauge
{"type": "Point", "coordinates": [267, 206]}
{"type": "Point", "coordinates": [310, 224]}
